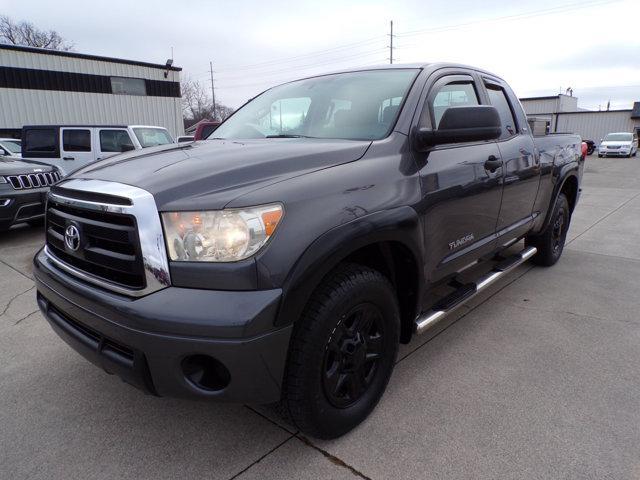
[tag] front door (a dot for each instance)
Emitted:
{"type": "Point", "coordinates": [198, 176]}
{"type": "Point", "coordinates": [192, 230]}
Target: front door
{"type": "Point", "coordinates": [461, 186]}
{"type": "Point", "coordinates": [111, 141]}
{"type": "Point", "coordinates": [75, 148]}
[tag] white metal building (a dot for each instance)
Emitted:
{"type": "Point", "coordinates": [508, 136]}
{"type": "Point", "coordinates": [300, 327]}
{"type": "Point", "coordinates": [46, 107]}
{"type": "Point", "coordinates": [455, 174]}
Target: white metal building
{"type": "Point", "coordinates": [48, 87]}
{"type": "Point", "coordinates": [564, 115]}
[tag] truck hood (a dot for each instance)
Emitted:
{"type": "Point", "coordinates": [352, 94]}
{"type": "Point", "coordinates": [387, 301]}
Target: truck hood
{"type": "Point", "coordinates": [17, 166]}
{"type": "Point", "coordinates": [211, 173]}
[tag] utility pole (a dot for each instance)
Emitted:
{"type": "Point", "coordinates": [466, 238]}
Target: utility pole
{"type": "Point", "coordinates": [213, 91]}
{"type": "Point", "coordinates": [391, 44]}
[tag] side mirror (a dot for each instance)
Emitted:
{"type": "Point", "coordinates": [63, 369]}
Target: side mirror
{"type": "Point", "coordinates": [463, 124]}
{"type": "Point", "coordinates": [127, 147]}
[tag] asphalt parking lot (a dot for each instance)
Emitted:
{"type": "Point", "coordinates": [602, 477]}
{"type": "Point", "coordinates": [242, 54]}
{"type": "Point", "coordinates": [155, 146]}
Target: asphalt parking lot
{"type": "Point", "coordinates": [538, 378]}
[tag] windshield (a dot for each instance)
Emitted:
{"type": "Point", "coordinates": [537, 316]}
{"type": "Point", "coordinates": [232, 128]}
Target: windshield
{"type": "Point", "coordinates": [12, 145]}
{"type": "Point", "coordinates": [618, 137]}
{"type": "Point", "coordinates": [355, 106]}
{"type": "Point", "coordinates": [152, 137]}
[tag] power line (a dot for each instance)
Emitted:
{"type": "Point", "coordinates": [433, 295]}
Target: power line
{"type": "Point", "coordinates": [519, 16]}
{"type": "Point", "coordinates": [306, 66]}
{"type": "Point", "coordinates": [302, 56]}
{"type": "Point", "coordinates": [267, 83]}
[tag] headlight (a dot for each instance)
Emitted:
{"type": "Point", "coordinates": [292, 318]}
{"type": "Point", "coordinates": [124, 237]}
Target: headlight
{"type": "Point", "coordinates": [221, 235]}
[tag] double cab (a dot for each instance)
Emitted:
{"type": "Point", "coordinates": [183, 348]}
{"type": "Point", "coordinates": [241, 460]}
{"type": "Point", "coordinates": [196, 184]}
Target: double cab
{"type": "Point", "coordinates": [328, 220]}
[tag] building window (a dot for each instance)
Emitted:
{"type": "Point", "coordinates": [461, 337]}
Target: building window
{"type": "Point", "coordinates": [128, 86]}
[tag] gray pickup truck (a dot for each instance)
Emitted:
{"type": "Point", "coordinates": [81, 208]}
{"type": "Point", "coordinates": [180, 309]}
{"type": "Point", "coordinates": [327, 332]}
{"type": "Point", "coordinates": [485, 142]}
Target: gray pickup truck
{"type": "Point", "coordinates": [284, 259]}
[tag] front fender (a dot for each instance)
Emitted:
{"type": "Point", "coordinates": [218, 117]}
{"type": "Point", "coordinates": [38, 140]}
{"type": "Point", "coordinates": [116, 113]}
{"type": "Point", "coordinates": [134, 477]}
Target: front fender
{"type": "Point", "coordinates": [400, 225]}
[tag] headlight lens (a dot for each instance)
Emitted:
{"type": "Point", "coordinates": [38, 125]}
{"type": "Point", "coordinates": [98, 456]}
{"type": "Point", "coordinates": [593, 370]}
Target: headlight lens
{"type": "Point", "coordinates": [221, 235]}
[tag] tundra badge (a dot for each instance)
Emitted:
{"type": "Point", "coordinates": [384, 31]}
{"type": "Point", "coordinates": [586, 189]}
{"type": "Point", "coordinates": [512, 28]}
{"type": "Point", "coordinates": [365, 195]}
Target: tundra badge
{"type": "Point", "coordinates": [461, 241]}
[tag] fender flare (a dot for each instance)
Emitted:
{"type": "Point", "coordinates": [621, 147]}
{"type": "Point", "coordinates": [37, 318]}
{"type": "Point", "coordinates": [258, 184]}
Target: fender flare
{"type": "Point", "coordinates": [400, 225]}
{"type": "Point", "coordinates": [566, 172]}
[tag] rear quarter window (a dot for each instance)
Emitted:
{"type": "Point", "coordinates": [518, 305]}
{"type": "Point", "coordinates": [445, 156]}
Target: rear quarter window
{"type": "Point", "coordinates": [41, 143]}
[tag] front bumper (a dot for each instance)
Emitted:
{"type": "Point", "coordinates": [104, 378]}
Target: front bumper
{"type": "Point", "coordinates": [18, 206]}
{"type": "Point", "coordinates": [614, 153]}
{"type": "Point", "coordinates": [145, 341]}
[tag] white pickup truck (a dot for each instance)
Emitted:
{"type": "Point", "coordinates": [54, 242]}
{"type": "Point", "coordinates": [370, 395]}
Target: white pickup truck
{"type": "Point", "coordinates": [69, 147]}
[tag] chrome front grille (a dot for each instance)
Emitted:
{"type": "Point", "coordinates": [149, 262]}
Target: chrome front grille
{"type": "Point", "coordinates": [109, 246]}
{"type": "Point", "coordinates": [33, 180]}
{"type": "Point", "coordinates": [117, 241]}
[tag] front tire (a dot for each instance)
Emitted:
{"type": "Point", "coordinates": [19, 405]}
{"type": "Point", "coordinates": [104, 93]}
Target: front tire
{"type": "Point", "coordinates": [550, 243]}
{"type": "Point", "coordinates": [342, 352]}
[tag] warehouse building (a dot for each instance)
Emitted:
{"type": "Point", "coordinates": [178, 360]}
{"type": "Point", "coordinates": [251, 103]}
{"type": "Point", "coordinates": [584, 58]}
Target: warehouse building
{"type": "Point", "coordinates": [563, 115]}
{"type": "Point", "coordinates": [49, 87]}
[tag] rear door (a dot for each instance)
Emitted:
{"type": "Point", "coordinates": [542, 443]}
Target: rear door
{"type": "Point", "coordinates": [520, 160]}
{"type": "Point", "coordinates": [460, 193]}
{"type": "Point", "coordinates": [76, 147]}
{"type": "Point", "coordinates": [111, 141]}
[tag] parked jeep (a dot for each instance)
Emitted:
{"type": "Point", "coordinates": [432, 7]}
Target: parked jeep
{"type": "Point", "coordinates": [69, 147]}
{"type": "Point", "coordinates": [286, 259]}
{"type": "Point", "coordinates": [23, 189]}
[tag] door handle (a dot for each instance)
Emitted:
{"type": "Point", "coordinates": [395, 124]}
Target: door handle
{"type": "Point", "coordinates": [68, 158]}
{"type": "Point", "coordinates": [492, 164]}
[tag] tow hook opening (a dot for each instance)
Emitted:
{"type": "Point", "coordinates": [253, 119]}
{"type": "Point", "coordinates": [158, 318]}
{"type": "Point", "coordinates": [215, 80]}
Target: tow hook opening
{"type": "Point", "coordinates": [205, 372]}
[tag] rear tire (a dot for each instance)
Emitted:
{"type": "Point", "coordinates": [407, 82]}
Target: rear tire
{"type": "Point", "coordinates": [550, 243]}
{"type": "Point", "coordinates": [342, 352]}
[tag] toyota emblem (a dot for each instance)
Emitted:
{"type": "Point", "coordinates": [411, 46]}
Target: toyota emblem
{"type": "Point", "coordinates": [72, 238]}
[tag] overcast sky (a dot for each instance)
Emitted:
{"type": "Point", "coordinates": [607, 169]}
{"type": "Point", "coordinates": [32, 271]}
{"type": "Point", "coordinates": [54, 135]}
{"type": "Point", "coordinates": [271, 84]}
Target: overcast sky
{"type": "Point", "coordinates": [539, 46]}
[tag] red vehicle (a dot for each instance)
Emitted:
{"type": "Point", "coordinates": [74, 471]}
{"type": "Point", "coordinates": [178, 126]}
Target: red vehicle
{"type": "Point", "coordinates": [204, 129]}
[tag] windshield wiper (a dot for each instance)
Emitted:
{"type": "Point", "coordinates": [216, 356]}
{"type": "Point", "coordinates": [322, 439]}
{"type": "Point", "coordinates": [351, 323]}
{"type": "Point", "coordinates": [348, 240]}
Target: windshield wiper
{"type": "Point", "coordinates": [285, 135]}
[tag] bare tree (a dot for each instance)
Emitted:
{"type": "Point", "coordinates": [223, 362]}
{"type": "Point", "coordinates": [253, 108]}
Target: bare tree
{"type": "Point", "coordinates": [222, 111]}
{"type": "Point", "coordinates": [197, 104]}
{"type": "Point", "coordinates": [27, 34]}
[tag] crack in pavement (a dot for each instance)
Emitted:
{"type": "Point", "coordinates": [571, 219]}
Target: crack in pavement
{"type": "Point", "coordinates": [25, 317]}
{"type": "Point", "coordinates": [16, 270]}
{"type": "Point", "coordinates": [332, 458]}
{"type": "Point", "coordinates": [4, 310]}
{"type": "Point", "coordinates": [262, 457]}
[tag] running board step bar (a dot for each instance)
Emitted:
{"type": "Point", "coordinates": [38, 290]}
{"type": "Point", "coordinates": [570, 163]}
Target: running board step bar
{"type": "Point", "coordinates": [466, 292]}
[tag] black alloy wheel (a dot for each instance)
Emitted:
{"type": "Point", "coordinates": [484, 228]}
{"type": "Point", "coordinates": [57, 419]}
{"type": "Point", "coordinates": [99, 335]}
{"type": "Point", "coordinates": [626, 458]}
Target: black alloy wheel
{"type": "Point", "coordinates": [352, 355]}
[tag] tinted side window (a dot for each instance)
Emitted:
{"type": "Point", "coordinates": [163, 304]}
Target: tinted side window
{"type": "Point", "coordinates": [455, 94]}
{"type": "Point", "coordinates": [76, 140]}
{"type": "Point", "coordinates": [208, 130]}
{"type": "Point", "coordinates": [113, 140]}
{"type": "Point", "coordinates": [42, 141]}
{"type": "Point", "coordinates": [498, 99]}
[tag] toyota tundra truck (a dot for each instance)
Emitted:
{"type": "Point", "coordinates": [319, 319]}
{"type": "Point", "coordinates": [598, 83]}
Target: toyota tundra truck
{"type": "Point", "coordinates": [328, 220]}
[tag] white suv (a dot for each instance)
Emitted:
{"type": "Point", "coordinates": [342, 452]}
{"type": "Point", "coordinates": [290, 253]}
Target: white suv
{"type": "Point", "coordinates": [621, 144]}
{"type": "Point", "coordinates": [71, 147]}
